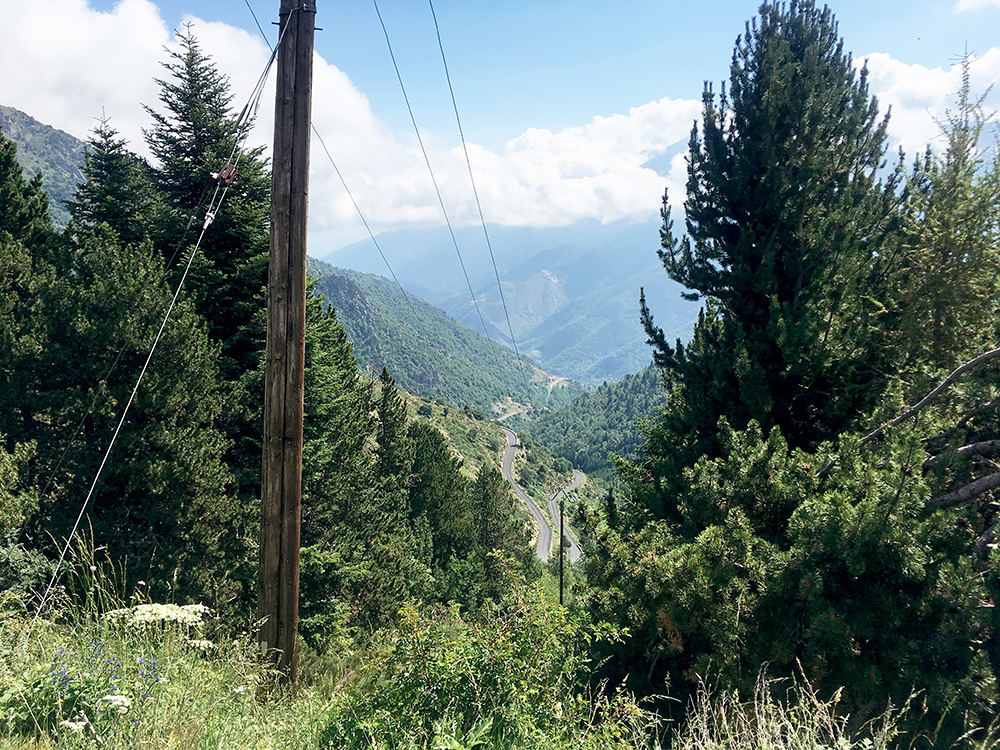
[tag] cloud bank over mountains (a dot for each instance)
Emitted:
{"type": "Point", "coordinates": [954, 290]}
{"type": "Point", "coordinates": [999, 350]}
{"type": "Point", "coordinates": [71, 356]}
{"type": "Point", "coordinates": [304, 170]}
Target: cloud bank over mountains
{"type": "Point", "coordinates": [95, 64]}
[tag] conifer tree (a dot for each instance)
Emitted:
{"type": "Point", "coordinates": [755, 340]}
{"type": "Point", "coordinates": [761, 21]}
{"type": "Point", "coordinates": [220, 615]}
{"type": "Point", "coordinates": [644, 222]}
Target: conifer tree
{"type": "Point", "coordinates": [193, 135]}
{"type": "Point", "coordinates": [117, 189]}
{"type": "Point", "coordinates": [25, 215]}
{"type": "Point", "coordinates": [744, 543]}
{"type": "Point", "coordinates": [439, 498]}
{"type": "Point", "coordinates": [789, 230]}
{"type": "Point", "coordinates": [394, 449]}
{"type": "Point", "coordinates": [946, 283]}
{"type": "Point", "coordinates": [500, 531]}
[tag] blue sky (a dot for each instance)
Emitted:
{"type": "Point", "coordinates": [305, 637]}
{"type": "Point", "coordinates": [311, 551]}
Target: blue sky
{"type": "Point", "coordinates": [555, 63]}
{"type": "Point", "coordinates": [562, 102]}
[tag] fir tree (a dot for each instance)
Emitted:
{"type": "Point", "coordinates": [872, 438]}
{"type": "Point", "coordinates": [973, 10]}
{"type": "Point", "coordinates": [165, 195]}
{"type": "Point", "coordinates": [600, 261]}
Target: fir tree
{"type": "Point", "coordinates": [946, 284]}
{"type": "Point", "coordinates": [193, 136]}
{"type": "Point", "coordinates": [25, 205]}
{"type": "Point", "coordinates": [501, 533]}
{"type": "Point", "coordinates": [117, 190]}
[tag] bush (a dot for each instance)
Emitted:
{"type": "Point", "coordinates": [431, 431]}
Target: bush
{"type": "Point", "coordinates": [512, 679]}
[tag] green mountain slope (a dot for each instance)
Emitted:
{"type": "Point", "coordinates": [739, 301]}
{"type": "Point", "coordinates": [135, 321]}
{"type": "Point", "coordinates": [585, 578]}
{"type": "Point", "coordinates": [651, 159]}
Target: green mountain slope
{"type": "Point", "coordinates": [605, 421]}
{"type": "Point", "coordinates": [429, 353]}
{"type": "Point", "coordinates": [572, 293]}
{"type": "Point", "coordinates": [41, 148]}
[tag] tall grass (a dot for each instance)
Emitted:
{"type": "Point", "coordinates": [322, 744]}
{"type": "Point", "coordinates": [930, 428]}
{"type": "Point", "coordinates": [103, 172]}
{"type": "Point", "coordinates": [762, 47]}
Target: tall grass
{"type": "Point", "coordinates": [108, 668]}
{"type": "Point", "coordinates": [105, 667]}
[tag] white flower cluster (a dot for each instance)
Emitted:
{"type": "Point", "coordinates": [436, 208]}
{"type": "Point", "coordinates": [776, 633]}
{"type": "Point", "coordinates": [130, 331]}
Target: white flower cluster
{"type": "Point", "coordinates": [150, 614]}
{"type": "Point", "coordinates": [119, 703]}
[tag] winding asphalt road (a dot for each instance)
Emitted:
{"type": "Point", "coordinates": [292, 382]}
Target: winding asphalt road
{"type": "Point", "coordinates": [544, 530]}
{"type": "Point", "coordinates": [544, 548]}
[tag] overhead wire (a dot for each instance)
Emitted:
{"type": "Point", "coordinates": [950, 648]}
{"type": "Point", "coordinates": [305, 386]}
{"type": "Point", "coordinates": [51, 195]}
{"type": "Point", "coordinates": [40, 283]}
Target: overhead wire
{"type": "Point", "coordinates": [406, 295]}
{"type": "Point", "coordinates": [333, 163]}
{"type": "Point", "coordinates": [479, 206]}
{"type": "Point", "coordinates": [218, 196]}
{"type": "Point", "coordinates": [430, 169]}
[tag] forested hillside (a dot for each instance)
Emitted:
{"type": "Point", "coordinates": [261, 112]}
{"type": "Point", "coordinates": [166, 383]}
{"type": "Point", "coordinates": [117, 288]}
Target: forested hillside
{"type": "Point", "coordinates": [58, 156]}
{"type": "Point", "coordinates": [428, 352]}
{"type": "Point", "coordinates": [606, 421]}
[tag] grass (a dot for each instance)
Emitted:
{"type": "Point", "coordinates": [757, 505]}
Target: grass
{"type": "Point", "coordinates": [107, 668]}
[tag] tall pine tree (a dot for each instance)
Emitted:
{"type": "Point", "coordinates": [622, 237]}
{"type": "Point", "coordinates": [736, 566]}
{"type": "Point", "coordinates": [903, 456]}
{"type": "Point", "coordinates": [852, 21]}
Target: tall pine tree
{"type": "Point", "coordinates": [193, 135]}
{"type": "Point", "coordinates": [790, 228]}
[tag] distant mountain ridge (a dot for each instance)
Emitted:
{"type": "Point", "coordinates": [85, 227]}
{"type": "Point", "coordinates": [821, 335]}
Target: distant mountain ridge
{"type": "Point", "coordinates": [572, 293]}
{"type": "Point", "coordinates": [42, 148]}
{"type": "Point", "coordinates": [428, 352]}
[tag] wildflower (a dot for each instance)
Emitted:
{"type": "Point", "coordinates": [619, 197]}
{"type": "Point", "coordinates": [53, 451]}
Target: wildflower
{"type": "Point", "coordinates": [93, 567]}
{"type": "Point", "coordinates": [140, 583]}
{"type": "Point", "coordinates": [73, 726]}
{"type": "Point", "coordinates": [120, 703]}
{"type": "Point", "coordinates": [240, 689]}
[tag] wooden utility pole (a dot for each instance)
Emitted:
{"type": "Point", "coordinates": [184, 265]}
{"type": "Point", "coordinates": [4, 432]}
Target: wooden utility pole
{"type": "Point", "coordinates": [281, 493]}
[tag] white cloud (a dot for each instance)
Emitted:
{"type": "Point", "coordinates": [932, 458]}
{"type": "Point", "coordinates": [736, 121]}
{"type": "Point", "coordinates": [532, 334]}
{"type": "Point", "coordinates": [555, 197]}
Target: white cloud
{"type": "Point", "coordinates": [93, 61]}
{"type": "Point", "coordinates": [541, 178]}
{"type": "Point", "coordinates": [963, 5]}
{"type": "Point", "coordinates": [64, 64]}
{"type": "Point", "coordinates": [920, 97]}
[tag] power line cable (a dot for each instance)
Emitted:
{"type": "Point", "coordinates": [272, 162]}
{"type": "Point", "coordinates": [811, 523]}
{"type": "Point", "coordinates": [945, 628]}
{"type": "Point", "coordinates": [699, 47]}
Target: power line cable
{"type": "Point", "coordinates": [333, 163]}
{"type": "Point", "coordinates": [475, 192]}
{"type": "Point", "coordinates": [357, 208]}
{"type": "Point", "coordinates": [427, 161]}
{"type": "Point", "coordinates": [218, 196]}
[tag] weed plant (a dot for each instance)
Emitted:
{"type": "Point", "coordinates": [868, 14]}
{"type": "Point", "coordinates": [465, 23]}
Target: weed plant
{"type": "Point", "coordinates": [108, 668]}
{"type": "Point", "coordinates": [105, 670]}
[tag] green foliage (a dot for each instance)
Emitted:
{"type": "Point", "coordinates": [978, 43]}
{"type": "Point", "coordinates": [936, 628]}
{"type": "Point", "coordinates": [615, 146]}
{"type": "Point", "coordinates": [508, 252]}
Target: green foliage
{"type": "Point", "coordinates": [789, 229]}
{"type": "Point", "coordinates": [17, 501]}
{"type": "Point", "coordinates": [117, 189]}
{"type": "Point", "coordinates": [847, 579]}
{"type": "Point", "coordinates": [73, 339]}
{"type": "Point", "coordinates": [194, 135]}
{"type": "Point", "coordinates": [501, 681]}
{"type": "Point", "coordinates": [595, 425]}
{"type": "Point", "coordinates": [501, 532]}
{"type": "Point", "coordinates": [25, 216]}
{"type": "Point", "coordinates": [946, 277]}
{"type": "Point", "coordinates": [100, 669]}
{"type": "Point", "coordinates": [758, 526]}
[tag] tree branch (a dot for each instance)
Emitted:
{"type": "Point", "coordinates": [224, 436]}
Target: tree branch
{"type": "Point", "coordinates": [982, 448]}
{"type": "Point", "coordinates": [986, 540]}
{"type": "Point", "coordinates": [973, 412]}
{"type": "Point", "coordinates": [969, 492]}
{"type": "Point", "coordinates": [959, 371]}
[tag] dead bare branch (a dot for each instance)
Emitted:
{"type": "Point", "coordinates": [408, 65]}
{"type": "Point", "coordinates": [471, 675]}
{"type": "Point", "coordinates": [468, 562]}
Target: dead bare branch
{"type": "Point", "coordinates": [930, 397]}
{"type": "Point", "coordinates": [982, 448]}
{"type": "Point", "coordinates": [969, 492]}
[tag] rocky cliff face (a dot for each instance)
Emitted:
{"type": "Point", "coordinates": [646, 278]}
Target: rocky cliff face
{"type": "Point", "coordinates": [42, 148]}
